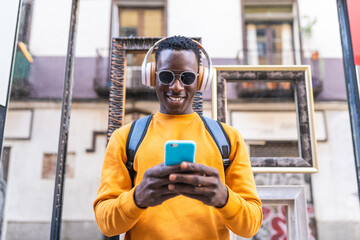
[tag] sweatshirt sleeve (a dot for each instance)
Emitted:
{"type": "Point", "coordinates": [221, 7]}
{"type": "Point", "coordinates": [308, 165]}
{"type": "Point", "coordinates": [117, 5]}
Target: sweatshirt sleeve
{"type": "Point", "coordinates": [242, 213]}
{"type": "Point", "coordinates": [114, 207]}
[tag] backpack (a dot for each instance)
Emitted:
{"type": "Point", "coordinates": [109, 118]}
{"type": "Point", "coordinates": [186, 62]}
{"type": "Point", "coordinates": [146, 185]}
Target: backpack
{"type": "Point", "coordinates": [139, 128]}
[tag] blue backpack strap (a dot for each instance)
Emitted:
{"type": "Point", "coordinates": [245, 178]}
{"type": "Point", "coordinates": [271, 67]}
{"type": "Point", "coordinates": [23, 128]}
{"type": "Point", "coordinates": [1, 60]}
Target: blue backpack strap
{"type": "Point", "coordinates": [220, 137]}
{"type": "Point", "coordinates": [135, 137]}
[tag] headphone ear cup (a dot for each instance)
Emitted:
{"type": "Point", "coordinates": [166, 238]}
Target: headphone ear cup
{"type": "Point", "coordinates": [152, 74]}
{"type": "Point", "coordinates": [200, 78]}
{"type": "Point", "coordinates": [150, 77]}
{"type": "Point", "coordinates": [203, 79]}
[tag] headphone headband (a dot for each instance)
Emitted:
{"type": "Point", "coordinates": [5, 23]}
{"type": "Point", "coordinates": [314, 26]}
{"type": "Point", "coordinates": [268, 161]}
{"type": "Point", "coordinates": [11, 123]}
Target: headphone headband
{"type": "Point", "coordinates": [145, 74]}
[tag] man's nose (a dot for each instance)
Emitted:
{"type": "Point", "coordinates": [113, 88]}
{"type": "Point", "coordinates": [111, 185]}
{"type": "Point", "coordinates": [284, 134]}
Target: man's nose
{"type": "Point", "coordinates": [176, 85]}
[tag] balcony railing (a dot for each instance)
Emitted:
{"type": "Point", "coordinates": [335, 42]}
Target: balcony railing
{"type": "Point", "coordinates": [282, 89]}
{"type": "Point", "coordinates": [134, 87]}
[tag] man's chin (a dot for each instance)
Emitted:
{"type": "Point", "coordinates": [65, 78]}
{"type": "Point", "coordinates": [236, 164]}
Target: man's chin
{"type": "Point", "coordinates": [176, 112]}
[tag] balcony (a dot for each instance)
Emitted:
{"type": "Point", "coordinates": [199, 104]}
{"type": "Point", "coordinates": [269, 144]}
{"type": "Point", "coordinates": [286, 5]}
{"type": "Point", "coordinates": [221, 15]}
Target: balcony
{"type": "Point", "coordinates": [136, 90]}
{"type": "Point", "coordinates": [134, 87]}
{"type": "Point", "coordinates": [272, 90]}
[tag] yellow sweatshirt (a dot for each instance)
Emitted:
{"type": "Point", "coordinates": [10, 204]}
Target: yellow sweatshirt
{"type": "Point", "coordinates": [179, 217]}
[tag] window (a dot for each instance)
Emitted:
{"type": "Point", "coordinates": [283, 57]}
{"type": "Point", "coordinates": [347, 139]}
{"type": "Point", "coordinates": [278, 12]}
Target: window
{"type": "Point", "coordinates": [140, 19]}
{"type": "Point", "coordinates": [269, 40]}
{"type": "Point", "coordinates": [269, 33]}
{"type": "Point", "coordinates": [269, 44]}
{"type": "Point", "coordinates": [140, 22]}
{"type": "Point", "coordinates": [49, 165]}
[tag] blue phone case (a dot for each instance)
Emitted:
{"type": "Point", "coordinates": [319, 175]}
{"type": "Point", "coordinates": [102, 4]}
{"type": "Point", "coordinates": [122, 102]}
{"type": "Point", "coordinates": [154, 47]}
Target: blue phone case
{"type": "Point", "coordinates": [177, 151]}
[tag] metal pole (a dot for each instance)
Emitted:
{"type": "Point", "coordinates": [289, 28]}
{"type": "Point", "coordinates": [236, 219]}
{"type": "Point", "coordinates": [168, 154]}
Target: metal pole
{"type": "Point", "coordinates": [64, 127]}
{"type": "Point", "coordinates": [352, 88]}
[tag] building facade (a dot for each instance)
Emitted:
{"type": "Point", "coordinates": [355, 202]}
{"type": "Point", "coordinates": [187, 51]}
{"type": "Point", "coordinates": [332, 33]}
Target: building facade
{"type": "Point", "coordinates": [234, 32]}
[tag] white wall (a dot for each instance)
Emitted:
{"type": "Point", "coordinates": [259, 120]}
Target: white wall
{"type": "Point", "coordinates": [50, 27]}
{"type": "Point", "coordinates": [218, 22]}
{"type": "Point", "coordinates": [325, 33]}
{"type": "Point", "coordinates": [334, 186]}
{"type": "Point", "coordinates": [29, 197]}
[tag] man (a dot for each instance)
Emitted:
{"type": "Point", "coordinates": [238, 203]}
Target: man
{"type": "Point", "coordinates": [188, 201]}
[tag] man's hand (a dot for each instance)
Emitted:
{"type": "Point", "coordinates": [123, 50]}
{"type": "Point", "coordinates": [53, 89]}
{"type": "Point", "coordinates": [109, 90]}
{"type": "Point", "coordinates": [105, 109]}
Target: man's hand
{"type": "Point", "coordinates": [153, 189]}
{"type": "Point", "coordinates": [199, 182]}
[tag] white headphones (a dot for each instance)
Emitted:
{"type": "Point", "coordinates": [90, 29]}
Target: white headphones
{"type": "Point", "coordinates": [148, 69]}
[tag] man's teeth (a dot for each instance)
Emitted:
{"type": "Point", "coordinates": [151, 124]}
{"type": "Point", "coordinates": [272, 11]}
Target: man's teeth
{"type": "Point", "coordinates": [175, 99]}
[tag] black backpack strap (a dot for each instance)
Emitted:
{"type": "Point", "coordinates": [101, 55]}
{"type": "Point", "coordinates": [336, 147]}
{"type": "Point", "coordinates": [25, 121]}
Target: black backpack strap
{"type": "Point", "coordinates": [220, 137]}
{"type": "Point", "coordinates": [135, 137]}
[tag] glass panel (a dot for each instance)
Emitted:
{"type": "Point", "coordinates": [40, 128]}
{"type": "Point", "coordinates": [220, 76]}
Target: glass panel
{"type": "Point", "coordinates": [129, 18]}
{"type": "Point", "coordinates": [261, 39]}
{"type": "Point", "coordinates": [141, 22]}
{"type": "Point", "coordinates": [276, 39]}
{"type": "Point", "coordinates": [129, 22]}
{"type": "Point", "coordinates": [269, 44]}
{"type": "Point", "coordinates": [153, 23]}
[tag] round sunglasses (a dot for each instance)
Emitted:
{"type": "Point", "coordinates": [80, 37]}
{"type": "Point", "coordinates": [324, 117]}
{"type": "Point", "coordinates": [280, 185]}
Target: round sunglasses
{"type": "Point", "coordinates": [167, 77]}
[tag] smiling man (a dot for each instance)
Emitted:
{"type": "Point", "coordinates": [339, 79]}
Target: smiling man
{"type": "Point", "coordinates": [175, 97]}
{"type": "Point", "coordinates": [200, 200]}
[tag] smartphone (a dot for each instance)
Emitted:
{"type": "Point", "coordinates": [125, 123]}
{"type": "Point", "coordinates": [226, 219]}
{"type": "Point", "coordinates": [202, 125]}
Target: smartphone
{"type": "Point", "coordinates": [178, 151]}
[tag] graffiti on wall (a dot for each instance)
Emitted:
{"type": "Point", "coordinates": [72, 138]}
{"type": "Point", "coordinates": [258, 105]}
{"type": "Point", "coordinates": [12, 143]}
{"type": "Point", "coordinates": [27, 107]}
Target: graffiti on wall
{"type": "Point", "coordinates": [274, 219]}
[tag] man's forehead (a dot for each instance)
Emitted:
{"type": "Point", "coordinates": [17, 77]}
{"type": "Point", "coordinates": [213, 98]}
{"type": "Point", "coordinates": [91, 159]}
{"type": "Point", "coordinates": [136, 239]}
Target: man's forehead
{"type": "Point", "coordinates": [177, 57]}
{"type": "Point", "coordinates": [173, 52]}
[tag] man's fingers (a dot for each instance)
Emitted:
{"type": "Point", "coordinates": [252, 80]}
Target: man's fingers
{"type": "Point", "coordinates": [198, 168]}
{"type": "Point", "coordinates": [161, 171]}
{"type": "Point", "coordinates": [154, 183]}
{"type": "Point", "coordinates": [192, 190]}
{"type": "Point", "coordinates": [194, 180]}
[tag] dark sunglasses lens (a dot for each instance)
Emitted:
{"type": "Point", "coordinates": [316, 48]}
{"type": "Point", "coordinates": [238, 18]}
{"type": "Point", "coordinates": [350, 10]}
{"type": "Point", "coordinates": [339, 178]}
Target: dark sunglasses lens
{"type": "Point", "coordinates": [166, 77]}
{"type": "Point", "coordinates": [188, 78]}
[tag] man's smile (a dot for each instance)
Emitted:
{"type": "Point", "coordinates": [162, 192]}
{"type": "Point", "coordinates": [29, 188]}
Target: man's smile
{"type": "Point", "coordinates": [176, 99]}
